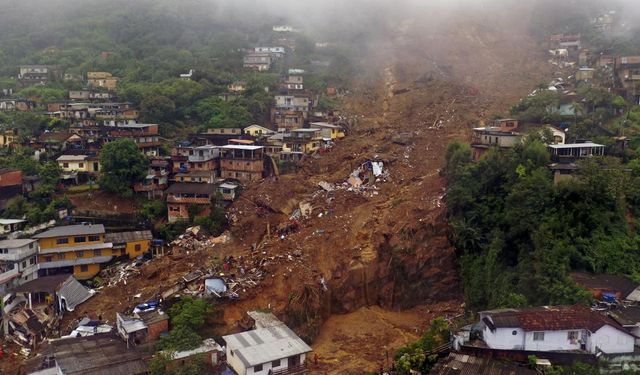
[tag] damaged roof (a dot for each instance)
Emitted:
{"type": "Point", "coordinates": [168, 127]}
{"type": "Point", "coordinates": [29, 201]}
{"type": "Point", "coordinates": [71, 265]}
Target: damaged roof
{"type": "Point", "coordinates": [604, 282]}
{"type": "Point", "coordinates": [68, 288]}
{"type": "Point", "coordinates": [463, 364]}
{"type": "Point", "coordinates": [45, 284]}
{"type": "Point", "coordinates": [101, 354]}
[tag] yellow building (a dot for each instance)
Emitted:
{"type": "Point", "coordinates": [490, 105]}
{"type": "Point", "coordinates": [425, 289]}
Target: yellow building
{"type": "Point", "coordinates": [103, 80]}
{"type": "Point", "coordinates": [78, 163]}
{"type": "Point", "coordinates": [8, 137]}
{"type": "Point", "coordinates": [302, 140]}
{"type": "Point", "coordinates": [258, 131]}
{"type": "Point", "coordinates": [329, 130]}
{"type": "Point", "coordinates": [78, 249]}
{"type": "Point", "coordinates": [132, 244]}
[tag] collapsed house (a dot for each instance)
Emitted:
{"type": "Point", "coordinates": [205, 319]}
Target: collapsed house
{"type": "Point", "coordinates": [35, 308]}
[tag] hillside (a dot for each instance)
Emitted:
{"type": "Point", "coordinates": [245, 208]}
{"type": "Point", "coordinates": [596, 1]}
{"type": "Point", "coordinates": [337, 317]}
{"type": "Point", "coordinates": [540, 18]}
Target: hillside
{"type": "Point", "coordinates": [385, 249]}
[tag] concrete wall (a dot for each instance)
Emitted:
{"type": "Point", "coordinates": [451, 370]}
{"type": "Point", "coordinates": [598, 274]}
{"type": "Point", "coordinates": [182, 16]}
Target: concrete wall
{"type": "Point", "coordinates": [239, 368]}
{"type": "Point", "coordinates": [503, 338]}
{"type": "Point", "coordinates": [553, 340]}
{"type": "Point", "coordinates": [611, 341]}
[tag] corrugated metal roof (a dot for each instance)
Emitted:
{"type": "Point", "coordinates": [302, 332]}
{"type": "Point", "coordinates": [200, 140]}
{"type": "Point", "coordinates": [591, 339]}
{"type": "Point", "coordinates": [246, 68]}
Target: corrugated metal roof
{"type": "Point", "coordinates": [74, 293]}
{"type": "Point", "coordinates": [462, 364]}
{"type": "Point", "coordinates": [266, 344]}
{"type": "Point", "coordinates": [102, 354]}
{"type": "Point", "coordinates": [120, 237]}
{"type": "Point", "coordinates": [12, 244]}
{"type": "Point", "coordinates": [72, 230]}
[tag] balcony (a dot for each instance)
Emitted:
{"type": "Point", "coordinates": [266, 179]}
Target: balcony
{"type": "Point", "coordinates": [201, 158]}
{"type": "Point", "coordinates": [15, 256]}
{"type": "Point", "coordinates": [9, 275]}
{"type": "Point", "coordinates": [74, 262]}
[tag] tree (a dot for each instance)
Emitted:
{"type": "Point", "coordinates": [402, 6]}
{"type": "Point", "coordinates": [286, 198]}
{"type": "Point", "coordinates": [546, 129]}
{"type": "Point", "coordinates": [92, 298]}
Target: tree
{"type": "Point", "coordinates": [187, 316]}
{"type": "Point", "coordinates": [414, 357]}
{"type": "Point", "coordinates": [157, 108]}
{"type": "Point", "coordinates": [122, 166]}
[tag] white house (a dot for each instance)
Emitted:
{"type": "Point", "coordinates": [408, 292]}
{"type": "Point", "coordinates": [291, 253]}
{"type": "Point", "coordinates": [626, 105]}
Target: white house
{"type": "Point", "coordinates": [269, 348]}
{"type": "Point", "coordinates": [17, 263]}
{"type": "Point", "coordinates": [11, 225]}
{"type": "Point", "coordinates": [555, 328]}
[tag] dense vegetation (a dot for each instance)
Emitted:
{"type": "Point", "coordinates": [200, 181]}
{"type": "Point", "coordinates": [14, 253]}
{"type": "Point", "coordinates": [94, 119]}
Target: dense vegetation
{"type": "Point", "coordinates": [148, 44]}
{"type": "Point", "coordinates": [520, 235]}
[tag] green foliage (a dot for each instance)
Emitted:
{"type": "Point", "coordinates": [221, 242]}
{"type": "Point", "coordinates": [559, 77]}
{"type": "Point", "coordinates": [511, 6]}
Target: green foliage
{"type": "Point", "coordinates": [189, 312]}
{"type": "Point", "coordinates": [520, 235]}
{"type": "Point", "coordinates": [216, 113]}
{"type": "Point", "coordinates": [538, 108]}
{"type": "Point", "coordinates": [153, 209]}
{"type": "Point", "coordinates": [157, 108]}
{"type": "Point", "coordinates": [187, 317]}
{"type": "Point", "coordinates": [181, 338]}
{"type": "Point", "coordinates": [576, 369]}
{"type": "Point", "coordinates": [159, 365]}
{"type": "Point", "coordinates": [20, 158]}
{"type": "Point", "coordinates": [415, 357]}
{"type": "Point", "coordinates": [46, 94]}
{"type": "Point", "coordinates": [122, 165]}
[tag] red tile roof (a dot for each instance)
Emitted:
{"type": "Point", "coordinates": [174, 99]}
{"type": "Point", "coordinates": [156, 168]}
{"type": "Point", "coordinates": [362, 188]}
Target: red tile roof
{"type": "Point", "coordinates": [552, 318]}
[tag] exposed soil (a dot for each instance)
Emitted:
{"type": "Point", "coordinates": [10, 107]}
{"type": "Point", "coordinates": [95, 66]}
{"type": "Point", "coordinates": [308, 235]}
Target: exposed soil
{"type": "Point", "coordinates": [98, 201]}
{"type": "Point", "coordinates": [384, 254]}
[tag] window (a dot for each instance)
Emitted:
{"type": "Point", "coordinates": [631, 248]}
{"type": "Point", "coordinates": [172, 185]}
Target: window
{"type": "Point", "coordinates": [97, 252]}
{"type": "Point", "coordinates": [24, 264]}
{"type": "Point", "coordinates": [32, 260]}
{"type": "Point", "coordinates": [80, 239]}
{"type": "Point", "coordinates": [573, 335]}
{"type": "Point", "coordinates": [61, 241]}
{"type": "Point", "coordinates": [61, 256]}
{"type": "Point", "coordinates": [80, 165]}
{"type": "Point", "coordinates": [138, 247]}
{"type": "Point", "coordinates": [65, 165]}
{"type": "Point", "coordinates": [275, 363]}
{"type": "Point", "coordinates": [257, 368]}
{"type": "Point", "coordinates": [94, 238]}
{"type": "Point", "coordinates": [538, 336]}
{"type": "Point", "coordinates": [79, 254]}
{"type": "Point", "coordinates": [84, 268]}
{"type": "Point", "coordinates": [48, 259]}
{"type": "Point", "coordinates": [515, 333]}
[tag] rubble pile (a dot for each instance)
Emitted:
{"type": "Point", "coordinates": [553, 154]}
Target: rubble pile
{"type": "Point", "coordinates": [194, 239]}
{"type": "Point", "coordinates": [27, 327]}
{"type": "Point", "coordinates": [362, 180]}
{"type": "Point", "coordinates": [119, 273]}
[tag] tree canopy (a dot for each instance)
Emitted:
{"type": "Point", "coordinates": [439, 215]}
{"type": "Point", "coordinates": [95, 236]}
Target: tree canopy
{"type": "Point", "coordinates": [122, 166]}
{"type": "Point", "coordinates": [520, 234]}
